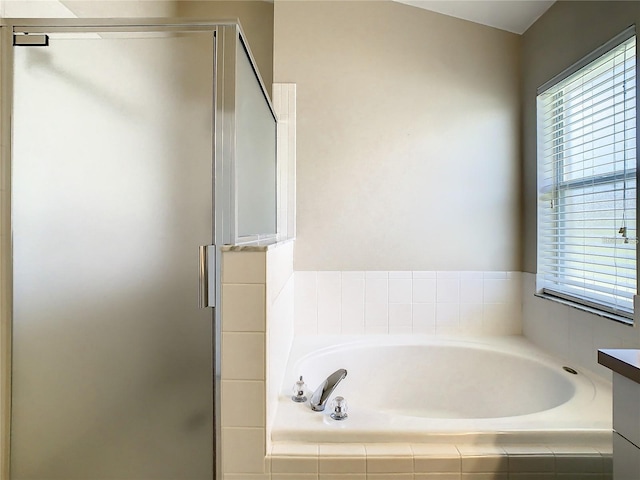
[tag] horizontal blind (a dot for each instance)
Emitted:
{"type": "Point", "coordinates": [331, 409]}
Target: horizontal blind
{"type": "Point", "coordinates": [587, 238]}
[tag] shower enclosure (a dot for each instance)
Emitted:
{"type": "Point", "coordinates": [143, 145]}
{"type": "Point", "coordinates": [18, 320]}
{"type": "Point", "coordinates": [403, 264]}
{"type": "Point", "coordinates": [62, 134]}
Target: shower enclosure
{"type": "Point", "coordinates": [136, 151]}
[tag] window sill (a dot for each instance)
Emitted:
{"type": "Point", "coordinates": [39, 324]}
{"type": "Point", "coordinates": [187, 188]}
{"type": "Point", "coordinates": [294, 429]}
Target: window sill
{"type": "Point", "coordinates": [584, 308]}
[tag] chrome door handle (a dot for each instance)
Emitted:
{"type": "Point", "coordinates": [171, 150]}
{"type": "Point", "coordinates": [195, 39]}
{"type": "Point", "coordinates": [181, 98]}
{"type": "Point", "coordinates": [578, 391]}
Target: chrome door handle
{"type": "Point", "coordinates": [207, 265]}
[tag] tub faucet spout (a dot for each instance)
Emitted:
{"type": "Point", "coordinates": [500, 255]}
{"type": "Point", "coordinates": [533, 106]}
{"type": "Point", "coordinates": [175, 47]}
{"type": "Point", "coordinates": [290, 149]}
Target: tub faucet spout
{"type": "Point", "coordinates": [321, 395]}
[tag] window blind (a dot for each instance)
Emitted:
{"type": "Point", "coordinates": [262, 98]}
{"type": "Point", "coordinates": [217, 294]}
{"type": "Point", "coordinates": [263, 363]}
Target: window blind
{"type": "Point", "coordinates": [587, 238]}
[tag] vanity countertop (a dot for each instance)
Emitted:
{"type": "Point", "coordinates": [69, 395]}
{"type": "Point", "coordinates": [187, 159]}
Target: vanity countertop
{"type": "Point", "coordinates": [624, 361]}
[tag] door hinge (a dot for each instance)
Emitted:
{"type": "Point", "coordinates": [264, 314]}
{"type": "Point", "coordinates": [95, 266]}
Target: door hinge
{"type": "Point", "coordinates": [31, 40]}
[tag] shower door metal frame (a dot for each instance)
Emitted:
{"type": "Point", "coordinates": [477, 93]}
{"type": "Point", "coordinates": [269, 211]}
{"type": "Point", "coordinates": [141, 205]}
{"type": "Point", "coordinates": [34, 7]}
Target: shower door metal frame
{"type": "Point", "coordinates": [228, 35]}
{"type": "Point", "coordinates": [228, 43]}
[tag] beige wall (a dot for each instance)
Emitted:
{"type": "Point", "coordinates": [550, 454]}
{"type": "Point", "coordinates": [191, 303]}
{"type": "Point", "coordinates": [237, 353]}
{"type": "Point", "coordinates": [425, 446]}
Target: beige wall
{"type": "Point", "coordinates": [408, 137]}
{"type": "Point", "coordinates": [564, 34]}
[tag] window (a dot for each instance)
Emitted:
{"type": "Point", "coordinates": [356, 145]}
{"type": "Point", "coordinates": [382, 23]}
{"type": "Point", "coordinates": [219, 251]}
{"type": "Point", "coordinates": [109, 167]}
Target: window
{"type": "Point", "coordinates": [587, 237]}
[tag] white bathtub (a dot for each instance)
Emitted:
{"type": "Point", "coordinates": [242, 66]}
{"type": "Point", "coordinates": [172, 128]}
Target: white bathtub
{"type": "Point", "coordinates": [497, 390]}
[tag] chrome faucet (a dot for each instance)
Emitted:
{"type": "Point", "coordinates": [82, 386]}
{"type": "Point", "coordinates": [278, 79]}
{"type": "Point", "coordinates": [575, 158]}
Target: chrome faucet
{"type": "Point", "coordinates": [321, 395]}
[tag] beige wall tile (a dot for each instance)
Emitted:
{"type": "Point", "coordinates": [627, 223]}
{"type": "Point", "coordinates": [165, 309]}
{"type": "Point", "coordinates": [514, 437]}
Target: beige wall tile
{"type": "Point", "coordinates": [396, 464]}
{"type": "Point", "coordinates": [243, 450]}
{"type": "Point", "coordinates": [342, 450]}
{"type": "Point", "coordinates": [485, 476]}
{"type": "Point", "coordinates": [436, 459]}
{"type": "Point", "coordinates": [579, 476]}
{"type": "Point", "coordinates": [294, 449]}
{"type": "Point", "coordinates": [532, 463]}
{"type": "Point", "coordinates": [243, 356]}
{"type": "Point", "coordinates": [342, 476]}
{"type": "Point", "coordinates": [342, 464]}
{"type": "Point", "coordinates": [247, 476]}
{"type": "Point", "coordinates": [436, 463]}
{"type": "Point", "coordinates": [481, 459]}
{"type": "Point", "coordinates": [607, 462]}
{"type": "Point", "coordinates": [437, 476]}
{"type": "Point", "coordinates": [389, 476]}
{"type": "Point", "coordinates": [244, 267]}
{"type": "Point", "coordinates": [480, 450]}
{"type": "Point", "coordinates": [294, 476]}
{"type": "Point", "coordinates": [294, 464]}
{"type": "Point", "coordinates": [243, 403]}
{"type": "Point", "coordinates": [527, 450]}
{"type": "Point", "coordinates": [484, 463]}
{"type": "Point", "coordinates": [437, 450]}
{"type": "Point", "coordinates": [532, 476]}
{"type": "Point", "coordinates": [576, 463]}
{"type": "Point", "coordinates": [243, 308]}
{"type": "Point", "coordinates": [388, 450]}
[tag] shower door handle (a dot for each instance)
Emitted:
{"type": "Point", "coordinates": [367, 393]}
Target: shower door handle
{"type": "Point", "coordinates": [206, 267]}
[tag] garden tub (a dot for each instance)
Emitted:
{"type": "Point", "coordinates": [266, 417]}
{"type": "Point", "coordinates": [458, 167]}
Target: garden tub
{"type": "Point", "coordinates": [412, 389]}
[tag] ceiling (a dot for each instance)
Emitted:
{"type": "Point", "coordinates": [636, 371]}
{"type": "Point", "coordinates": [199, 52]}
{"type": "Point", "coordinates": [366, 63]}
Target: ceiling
{"type": "Point", "coordinates": [510, 15]}
{"type": "Point", "coordinates": [514, 16]}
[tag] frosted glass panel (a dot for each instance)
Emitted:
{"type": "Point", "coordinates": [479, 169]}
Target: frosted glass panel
{"type": "Point", "coordinates": [112, 196]}
{"type": "Point", "coordinates": [255, 153]}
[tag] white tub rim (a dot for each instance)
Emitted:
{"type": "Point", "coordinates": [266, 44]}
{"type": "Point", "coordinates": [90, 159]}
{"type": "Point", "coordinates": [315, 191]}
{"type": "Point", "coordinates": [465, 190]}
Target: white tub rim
{"type": "Point", "coordinates": [306, 347]}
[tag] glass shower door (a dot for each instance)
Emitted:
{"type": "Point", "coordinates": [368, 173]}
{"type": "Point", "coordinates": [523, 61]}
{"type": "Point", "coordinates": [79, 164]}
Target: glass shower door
{"type": "Point", "coordinates": [112, 196]}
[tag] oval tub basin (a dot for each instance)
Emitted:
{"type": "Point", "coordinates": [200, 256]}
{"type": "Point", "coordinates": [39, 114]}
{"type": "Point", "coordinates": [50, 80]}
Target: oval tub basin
{"type": "Point", "coordinates": [427, 389]}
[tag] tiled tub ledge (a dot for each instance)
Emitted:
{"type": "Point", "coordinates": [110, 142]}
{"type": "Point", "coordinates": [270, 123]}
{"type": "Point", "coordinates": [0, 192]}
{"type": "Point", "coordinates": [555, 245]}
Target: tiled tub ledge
{"type": "Point", "coordinates": [257, 246]}
{"type": "Point", "coordinates": [298, 461]}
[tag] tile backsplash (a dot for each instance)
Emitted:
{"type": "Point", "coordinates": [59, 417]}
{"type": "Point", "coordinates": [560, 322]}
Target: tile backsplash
{"type": "Point", "coordinates": [346, 302]}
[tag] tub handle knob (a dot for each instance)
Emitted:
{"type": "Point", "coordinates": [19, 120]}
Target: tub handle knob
{"type": "Point", "coordinates": [298, 391]}
{"type": "Point", "coordinates": [339, 406]}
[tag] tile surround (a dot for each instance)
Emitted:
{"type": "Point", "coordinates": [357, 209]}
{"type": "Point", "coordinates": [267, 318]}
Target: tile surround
{"type": "Point", "coordinates": [247, 454]}
{"type": "Point", "coordinates": [439, 462]}
{"type": "Point", "coordinates": [257, 309]}
{"type": "Point", "coordinates": [445, 303]}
